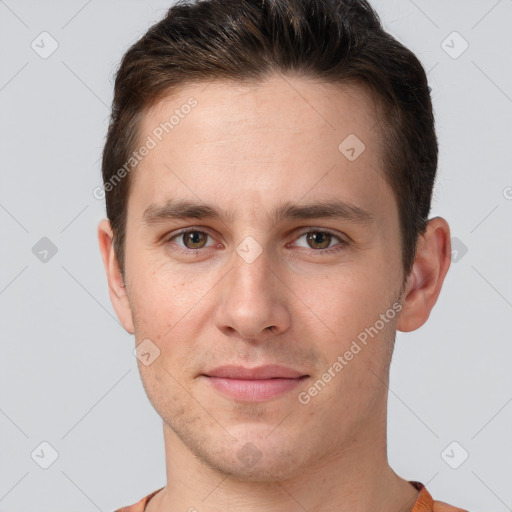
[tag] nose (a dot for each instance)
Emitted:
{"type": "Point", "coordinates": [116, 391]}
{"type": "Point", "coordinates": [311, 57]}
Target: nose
{"type": "Point", "coordinates": [253, 300]}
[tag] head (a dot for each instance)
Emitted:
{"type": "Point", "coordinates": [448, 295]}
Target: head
{"type": "Point", "coordinates": [295, 141]}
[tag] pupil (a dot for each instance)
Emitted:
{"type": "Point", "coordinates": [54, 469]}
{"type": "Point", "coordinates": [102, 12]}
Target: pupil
{"type": "Point", "coordinates": [316, 238]}
{"type": "Point", "coordinates": [194, 237]}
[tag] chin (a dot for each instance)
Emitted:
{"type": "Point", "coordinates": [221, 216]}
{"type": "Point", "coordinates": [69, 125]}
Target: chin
{"type": "Point", "coordinates": [259, 460]}
{"type": "Point", "coordinates": [278, 469]}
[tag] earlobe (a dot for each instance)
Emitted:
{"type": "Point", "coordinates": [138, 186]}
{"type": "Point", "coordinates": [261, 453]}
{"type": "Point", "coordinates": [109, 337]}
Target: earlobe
{"type": "Point", "coordinates": [117, 289]}
{"type": "Point", "coordinates": [423, 285]}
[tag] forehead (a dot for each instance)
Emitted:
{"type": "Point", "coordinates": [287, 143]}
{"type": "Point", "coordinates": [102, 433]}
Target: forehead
{"type": "Point", "coordinates": [227, 142]}
{"type": "Point", "coordinates": [295, 105]}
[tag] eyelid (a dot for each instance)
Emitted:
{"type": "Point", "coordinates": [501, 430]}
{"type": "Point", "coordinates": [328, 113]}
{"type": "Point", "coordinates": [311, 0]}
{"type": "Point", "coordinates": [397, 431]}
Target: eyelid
{"type": "Point", "coordinates": [311, 229]}
{"type": "Point", "coordinates": [296, 234]}
{"type": "Point", "coordinates": [190, 229]}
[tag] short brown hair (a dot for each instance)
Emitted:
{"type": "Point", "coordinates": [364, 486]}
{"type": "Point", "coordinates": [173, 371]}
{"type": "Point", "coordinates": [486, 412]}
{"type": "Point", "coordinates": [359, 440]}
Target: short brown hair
{"type": "Point", "coordinates": [337, 41]}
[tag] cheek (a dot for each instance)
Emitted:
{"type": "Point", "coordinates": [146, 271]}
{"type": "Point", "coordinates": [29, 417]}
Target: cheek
{"type": "Point", "coordinates": [169, 309]}
{"type": "Point", "coordinates": [347, 306]}
{"type": "Point", "coordinates": [164, 296]}
{"type": "Point", "coordinates": [346, 300]}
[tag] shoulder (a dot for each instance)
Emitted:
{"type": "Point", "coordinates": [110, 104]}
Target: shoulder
{"type": "Point", "coordinates": [425, 502]}
{"type": "Point", "coordinates": [441, 506]}
{"type": "Point", "coordinates": [140, 505]}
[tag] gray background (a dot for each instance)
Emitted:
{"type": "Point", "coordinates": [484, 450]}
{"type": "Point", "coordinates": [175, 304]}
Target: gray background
{"type": "Point", "coordinates": [68, 375]}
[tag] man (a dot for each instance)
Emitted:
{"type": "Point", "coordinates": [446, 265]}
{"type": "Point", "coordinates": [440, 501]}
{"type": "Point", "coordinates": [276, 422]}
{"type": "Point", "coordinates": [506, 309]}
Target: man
{"type": "Point", "coordinates": [268, 174]}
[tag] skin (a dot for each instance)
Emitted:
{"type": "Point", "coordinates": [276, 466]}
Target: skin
{"type": "Point", "coordinates": [246, 149]}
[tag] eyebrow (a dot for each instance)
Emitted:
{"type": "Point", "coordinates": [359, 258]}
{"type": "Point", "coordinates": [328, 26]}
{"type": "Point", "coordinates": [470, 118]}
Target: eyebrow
{"type": "Point", "coordinates": [177, 209]}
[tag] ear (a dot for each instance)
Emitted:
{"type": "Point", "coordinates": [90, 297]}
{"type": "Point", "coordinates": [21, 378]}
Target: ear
{"type": "Point", "coordinates": [116, 285]}
{"type": "Point", "coordinates": [423, 285]}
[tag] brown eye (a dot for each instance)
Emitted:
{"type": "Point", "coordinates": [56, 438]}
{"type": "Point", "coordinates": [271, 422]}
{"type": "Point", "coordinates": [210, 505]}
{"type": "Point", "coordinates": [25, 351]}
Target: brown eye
{"type": "Point", "coordinates": [318, 239]}
{"type": "Point", "coordinates": [191, 242]}
{"type": "Point", "coordinates": [194, 239]}
{"type": "Point", "coordinates": [321, 242]}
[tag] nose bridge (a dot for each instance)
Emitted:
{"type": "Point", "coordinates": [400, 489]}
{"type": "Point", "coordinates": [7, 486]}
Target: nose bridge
{"type": "Point", "coordinates": [252, 298]}
{"type": "Point", "coordinates": [251, 277]}
{"type": "Point", "coordinates": [251, 264]}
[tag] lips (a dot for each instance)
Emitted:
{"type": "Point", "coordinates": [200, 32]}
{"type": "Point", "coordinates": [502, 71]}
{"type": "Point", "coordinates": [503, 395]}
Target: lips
{"type": "Point", "coordinates": [271, 371]}
{"type": "Point", "coordinates": [254, 384]}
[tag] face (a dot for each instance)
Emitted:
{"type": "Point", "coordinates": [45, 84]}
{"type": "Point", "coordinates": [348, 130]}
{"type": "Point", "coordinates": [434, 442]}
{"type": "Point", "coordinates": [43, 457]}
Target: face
{"type": "Point", "coordinates": [258, 234]}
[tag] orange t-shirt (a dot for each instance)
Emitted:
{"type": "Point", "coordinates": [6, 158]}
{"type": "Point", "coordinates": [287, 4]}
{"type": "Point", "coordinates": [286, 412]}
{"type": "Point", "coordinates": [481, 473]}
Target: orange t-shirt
{"type": "Point", "coordinates": [424, 503]}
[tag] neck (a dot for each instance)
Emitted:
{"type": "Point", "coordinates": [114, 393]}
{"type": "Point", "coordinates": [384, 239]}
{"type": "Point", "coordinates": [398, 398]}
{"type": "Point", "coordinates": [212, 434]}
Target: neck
{"type": "Point", "coordinates": [355, 478]}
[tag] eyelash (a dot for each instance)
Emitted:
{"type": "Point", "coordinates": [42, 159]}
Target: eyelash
{"type": "Point", "coordinates": [336, 248]}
